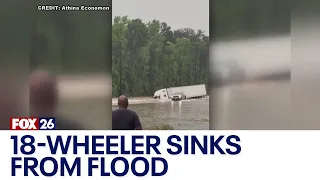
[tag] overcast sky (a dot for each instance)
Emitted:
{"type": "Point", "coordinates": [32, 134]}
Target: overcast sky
{"type": "Point", "coordinates": [176, 13]}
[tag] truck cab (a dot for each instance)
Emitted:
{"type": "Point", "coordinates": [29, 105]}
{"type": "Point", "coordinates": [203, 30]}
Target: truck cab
{"type": "Point", "coordinates": [161, 94]}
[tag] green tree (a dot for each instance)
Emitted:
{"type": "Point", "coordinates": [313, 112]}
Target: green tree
{"type": "Point", "coordinates": [150, 56]}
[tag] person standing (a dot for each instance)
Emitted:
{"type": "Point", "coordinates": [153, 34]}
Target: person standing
{"type": "Point", "coordinates": [124, 118]}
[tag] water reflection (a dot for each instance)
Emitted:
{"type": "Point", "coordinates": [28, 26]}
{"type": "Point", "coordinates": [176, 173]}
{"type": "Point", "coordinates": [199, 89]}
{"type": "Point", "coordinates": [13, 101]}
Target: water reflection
{"type": "Point", "coordinates": [183, 115]}
{"type": "Point", "coordinates": [262, 100]}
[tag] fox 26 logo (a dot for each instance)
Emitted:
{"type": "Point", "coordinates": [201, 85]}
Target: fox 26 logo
{"type": "Point", "coordinates": [32, 123]}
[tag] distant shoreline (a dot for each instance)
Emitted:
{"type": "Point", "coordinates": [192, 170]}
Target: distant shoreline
{"type": "Point", "coordinates": [82, 87]}
{"type": "Point", "coordinates": [136, 100]}
{"type": "Point", "coordinates": [75, 87]}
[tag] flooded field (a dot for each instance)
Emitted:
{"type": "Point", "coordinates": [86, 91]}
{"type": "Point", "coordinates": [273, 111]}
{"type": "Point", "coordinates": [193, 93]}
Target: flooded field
{"type": "Point", "coordinates": [88, 101]}
{"type": "Point", "coordinates": [260, 105]}
{"type": "Point", "coordinates": [254, 105]}
{"type": "Point", "coordinates": [265, 105]}
{"type": "Point", "coordinates": [291, 104]}
{"type": "Point", "coordinates": [182, 115]}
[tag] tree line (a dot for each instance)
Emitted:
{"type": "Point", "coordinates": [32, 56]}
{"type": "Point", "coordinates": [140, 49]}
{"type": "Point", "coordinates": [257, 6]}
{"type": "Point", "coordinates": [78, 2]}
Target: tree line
{"type": "Point", "coordinates": [147, 56]}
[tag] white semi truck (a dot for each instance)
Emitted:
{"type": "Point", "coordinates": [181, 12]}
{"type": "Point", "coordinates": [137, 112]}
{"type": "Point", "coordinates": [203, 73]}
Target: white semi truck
{"type": "Point", "coordinates": [187, 92]}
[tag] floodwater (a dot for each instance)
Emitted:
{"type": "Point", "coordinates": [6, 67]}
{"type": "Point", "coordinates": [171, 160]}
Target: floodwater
{"type": "Point", "coordinates": [87, 100]}
{"type": "Point", "coordinates": [181, 115]}
{"type": "Point", "coordinates": [291, 104]}
{"type": "Point", "coordinates": [262, 105]}
{"type": "Point", "coordinates": [259, 104]}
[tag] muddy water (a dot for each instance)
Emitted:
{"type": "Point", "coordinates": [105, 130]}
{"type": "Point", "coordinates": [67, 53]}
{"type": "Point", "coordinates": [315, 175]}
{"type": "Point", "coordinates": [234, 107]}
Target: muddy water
{"type": "Point", "coordinates": [183, 115]}
{"type": "Point", "coordinates": [254, 105]}
{"type": "Point", "coordinates": [89, 102]}
{"type": "Point", "coordinates": [265, 105]}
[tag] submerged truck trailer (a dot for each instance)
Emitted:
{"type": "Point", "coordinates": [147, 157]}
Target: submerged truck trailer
{"type": "Point", "coordinates": [191, 92]}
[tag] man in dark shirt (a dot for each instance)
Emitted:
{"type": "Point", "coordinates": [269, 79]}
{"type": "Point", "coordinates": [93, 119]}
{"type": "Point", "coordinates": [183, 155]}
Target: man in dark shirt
{"type": "Point", "coordinates": [44, 99]}
{"type": "Point", "coordinates": [123, 118]}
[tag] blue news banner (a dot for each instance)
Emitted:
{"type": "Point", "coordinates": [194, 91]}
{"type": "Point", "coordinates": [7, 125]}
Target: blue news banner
{"type": "Point", "coordinates": [147, 154]}
{"type": "Point", "coordinates": [109, 154]}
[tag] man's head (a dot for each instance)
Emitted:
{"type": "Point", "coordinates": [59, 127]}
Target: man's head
{"type": "Point", "coordinates": [43, 93]}
{"type": "Point", "coordinates": [123, 102]}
